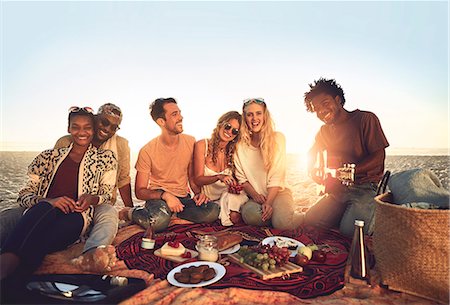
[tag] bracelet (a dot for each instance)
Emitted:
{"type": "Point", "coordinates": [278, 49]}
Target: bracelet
{"type": "Point", "coordinates": [161, 194]}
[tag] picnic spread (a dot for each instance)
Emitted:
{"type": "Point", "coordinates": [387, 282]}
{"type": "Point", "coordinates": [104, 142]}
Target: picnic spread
{"type": "Point", "coordinates": [315, 279]}
{"type": "Point", "coordinates": [318, 283]}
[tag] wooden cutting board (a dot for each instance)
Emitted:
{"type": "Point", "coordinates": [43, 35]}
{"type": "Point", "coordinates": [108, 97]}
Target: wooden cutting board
{"type": "Point", "coordinates": [176, 259]}
{"type": "Point", "coordinates": [269, 274]}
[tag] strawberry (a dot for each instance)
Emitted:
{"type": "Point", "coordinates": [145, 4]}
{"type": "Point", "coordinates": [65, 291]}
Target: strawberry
{"type": "Point", "coordinates": [186, 254]}
{"type": "Point", "coordinates": [174, 244]}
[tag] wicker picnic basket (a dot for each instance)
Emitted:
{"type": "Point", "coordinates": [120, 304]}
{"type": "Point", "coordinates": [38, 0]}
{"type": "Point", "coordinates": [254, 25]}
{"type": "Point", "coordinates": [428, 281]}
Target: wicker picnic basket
{"type": "Point", "coordinates": [411, 248]}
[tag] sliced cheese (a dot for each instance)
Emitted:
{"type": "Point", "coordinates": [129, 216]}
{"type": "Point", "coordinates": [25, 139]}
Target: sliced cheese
{"type": "Point", "coordinates": [167, 250]}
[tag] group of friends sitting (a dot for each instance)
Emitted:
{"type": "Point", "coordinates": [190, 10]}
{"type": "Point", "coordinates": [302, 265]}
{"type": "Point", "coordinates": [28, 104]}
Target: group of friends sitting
{"type": "Point", "coordinates": [237, 176]}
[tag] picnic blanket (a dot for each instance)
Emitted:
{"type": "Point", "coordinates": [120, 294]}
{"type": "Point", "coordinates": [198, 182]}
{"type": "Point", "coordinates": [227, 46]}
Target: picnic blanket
{"type": "Point", "coordinates": [316, 279]}
{"type": "Point", "coordinates": [160, 292]}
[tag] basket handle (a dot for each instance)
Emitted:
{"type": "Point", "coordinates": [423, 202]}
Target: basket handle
{"type": "Point", "coordinates": [381, 189]}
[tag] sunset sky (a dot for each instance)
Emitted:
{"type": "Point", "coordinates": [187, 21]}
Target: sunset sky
{"type": "Point", "coordinates": [391, 58]}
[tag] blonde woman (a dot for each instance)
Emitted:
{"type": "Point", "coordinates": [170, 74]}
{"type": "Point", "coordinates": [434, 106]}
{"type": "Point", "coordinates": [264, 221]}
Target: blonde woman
{"type": "Point", "coordinates": [214, 167]}
{"type": "Point", "coordinates": [261, 168]}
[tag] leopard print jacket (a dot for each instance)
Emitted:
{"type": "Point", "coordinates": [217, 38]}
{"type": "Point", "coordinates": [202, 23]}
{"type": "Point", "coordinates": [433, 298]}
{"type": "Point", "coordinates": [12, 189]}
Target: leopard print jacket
{"type": "Point", "coordinates": [97, 176]}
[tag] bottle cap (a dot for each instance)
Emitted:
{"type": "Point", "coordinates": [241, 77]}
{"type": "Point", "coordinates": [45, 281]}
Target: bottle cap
{"type": "Point", "coordinates": [359, 223]}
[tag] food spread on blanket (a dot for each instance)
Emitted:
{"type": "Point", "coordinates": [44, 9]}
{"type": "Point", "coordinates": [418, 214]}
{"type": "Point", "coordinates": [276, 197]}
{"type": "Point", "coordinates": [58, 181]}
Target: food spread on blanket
{"type": "Point", "coordinates": [195, 275]}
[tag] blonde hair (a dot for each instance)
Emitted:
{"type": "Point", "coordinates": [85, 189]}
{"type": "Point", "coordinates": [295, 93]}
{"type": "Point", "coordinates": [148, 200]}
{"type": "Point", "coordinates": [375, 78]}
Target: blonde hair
{"type": "Point", "coordinates": [267, 143]}
{"type": "Point", "coordinates": [213, 148]}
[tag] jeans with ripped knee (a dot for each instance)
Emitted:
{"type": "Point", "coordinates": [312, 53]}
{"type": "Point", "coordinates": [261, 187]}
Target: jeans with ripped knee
{"type": "Point", "coordinates": [160, 212]}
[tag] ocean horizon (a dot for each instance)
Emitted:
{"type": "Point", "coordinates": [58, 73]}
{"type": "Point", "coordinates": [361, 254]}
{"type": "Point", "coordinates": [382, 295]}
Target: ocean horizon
{"type": "Point", "coordinates": [390, 151]}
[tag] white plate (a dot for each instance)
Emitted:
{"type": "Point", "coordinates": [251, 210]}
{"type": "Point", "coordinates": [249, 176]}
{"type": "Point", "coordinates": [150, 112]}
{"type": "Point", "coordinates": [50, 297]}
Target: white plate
{"type": "Point", "coordinates": [220, 272]}
{"type": "Point", "coordinates": [231, 250]}
{"type": "Point", "coordinates": [271, 241]}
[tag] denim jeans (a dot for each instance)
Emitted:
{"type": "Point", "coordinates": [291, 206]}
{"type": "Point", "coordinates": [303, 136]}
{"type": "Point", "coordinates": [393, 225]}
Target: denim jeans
{"type": "Point", "coordinates": [105, 225]}
{"type": "Point", "coordinates": [283, 215]}
{"type": "Point", "coordinates": [160, 212]}
{"type": "Point", "coordinates": [342, 208]}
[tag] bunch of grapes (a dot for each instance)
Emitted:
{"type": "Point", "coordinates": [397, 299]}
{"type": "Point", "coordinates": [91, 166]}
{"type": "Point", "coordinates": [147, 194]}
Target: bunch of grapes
{"type": "Point", "coordinates": [265, 257]}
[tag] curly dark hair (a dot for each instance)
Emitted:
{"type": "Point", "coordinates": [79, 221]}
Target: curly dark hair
{"type": "Point", "coordinates": [213, 149]}
{"type": "Point", "coordinates": [323, 85]}
{"type": "Point", "coordinates": [157, 107]}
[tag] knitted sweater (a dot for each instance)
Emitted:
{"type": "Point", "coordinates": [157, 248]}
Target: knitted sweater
{"type": "Point", "coordinates": [97, 176]}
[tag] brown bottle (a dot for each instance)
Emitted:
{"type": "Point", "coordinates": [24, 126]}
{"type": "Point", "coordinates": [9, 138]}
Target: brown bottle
{"type": "Point", "coordinates": [357, 268]}
{"type": "Point", "coordinates": [148, 240]}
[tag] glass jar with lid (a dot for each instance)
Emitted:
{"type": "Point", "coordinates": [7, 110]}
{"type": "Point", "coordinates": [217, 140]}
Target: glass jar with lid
{"type": "Point", "coordinates": [207, 248]}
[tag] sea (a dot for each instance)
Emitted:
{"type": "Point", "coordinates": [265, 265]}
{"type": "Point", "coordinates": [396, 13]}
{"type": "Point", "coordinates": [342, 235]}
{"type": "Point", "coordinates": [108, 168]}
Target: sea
{"type": "Point", "coordinates": [13, 169]}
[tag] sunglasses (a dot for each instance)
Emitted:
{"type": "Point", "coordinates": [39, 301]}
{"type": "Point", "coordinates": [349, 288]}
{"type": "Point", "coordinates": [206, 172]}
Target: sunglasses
{"type": "Point", "coordinates": [105, 122]}
{"type": "Point", "coordinates": [234, 131]}
{"type": "Point", "coordinates": [258, 100]}
{"type": "Point", "coordinates": [75, 109]}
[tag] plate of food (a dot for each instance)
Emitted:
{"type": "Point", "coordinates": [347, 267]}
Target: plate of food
{"type": "Point", "coordinates": [282, 241]}
{"type": "Point", "coordinates": [196, 274]}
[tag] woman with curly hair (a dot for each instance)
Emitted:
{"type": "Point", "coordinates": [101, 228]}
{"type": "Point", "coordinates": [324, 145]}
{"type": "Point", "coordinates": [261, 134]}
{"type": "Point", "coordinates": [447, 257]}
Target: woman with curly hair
{"type": "Point", "coordinates": [260, 162]}
{"type": "Point", "coordinates": [214, 168]}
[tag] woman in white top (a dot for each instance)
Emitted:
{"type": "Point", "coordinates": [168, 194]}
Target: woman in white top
{"type": "Point", "coordinates": [260, 163]}
{"type": "Point", "coordinates": [214, 167]}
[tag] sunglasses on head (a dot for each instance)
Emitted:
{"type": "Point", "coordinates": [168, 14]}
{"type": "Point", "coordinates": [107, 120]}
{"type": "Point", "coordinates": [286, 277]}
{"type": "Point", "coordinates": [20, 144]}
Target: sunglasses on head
{"type": "Point", "coordinates": [258, 100]}
{"type": "Point", "coordinates": [75, 109]}
{"type": "Point", "coordinates": [105, 122]}
{"type": "Point", "coordinates": [234, 131]}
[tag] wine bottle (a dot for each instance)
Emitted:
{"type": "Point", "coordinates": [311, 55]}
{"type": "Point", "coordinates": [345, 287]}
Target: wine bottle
{"type": "Point", "coordinates": [357, 267]}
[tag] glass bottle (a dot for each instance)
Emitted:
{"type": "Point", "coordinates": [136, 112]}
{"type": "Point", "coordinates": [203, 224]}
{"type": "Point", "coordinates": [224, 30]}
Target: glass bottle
{"type": "Point", "coordinates": [357, 268]}
{"type": "Point", "coordinates": [148, 240]}
{"type": "Point", "coordinates": [207, 248]}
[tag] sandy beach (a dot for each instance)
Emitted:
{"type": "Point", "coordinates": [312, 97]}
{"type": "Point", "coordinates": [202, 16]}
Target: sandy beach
{"type": "Point", "coordinates": [13, 166]}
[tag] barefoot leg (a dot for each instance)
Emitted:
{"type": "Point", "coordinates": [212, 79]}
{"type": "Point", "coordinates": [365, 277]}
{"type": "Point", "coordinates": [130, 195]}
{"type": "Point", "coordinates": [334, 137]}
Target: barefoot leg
{"type": "Point", "coordinates": [236, 217]}
{"type": "Point", "coordinates": [99, 259]}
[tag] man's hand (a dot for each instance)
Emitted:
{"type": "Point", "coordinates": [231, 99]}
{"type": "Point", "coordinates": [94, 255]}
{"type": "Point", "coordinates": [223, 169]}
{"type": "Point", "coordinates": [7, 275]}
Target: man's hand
{"type": "Point", "coordinates": [266, 211]}
{"type": "Point", "coordinates": [173, 202]}
{"type": "Point", "coordinates": [317, 175]}
{"type": "Point", "coordinates": [65, 204]}
{"type": "Point", "coordinates": [84, 201]}
{"type": "Point", "coordinates": [200, 199]}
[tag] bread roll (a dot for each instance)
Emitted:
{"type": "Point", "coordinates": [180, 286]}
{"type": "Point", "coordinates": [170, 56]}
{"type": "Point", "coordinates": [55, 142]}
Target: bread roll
{"type": "Point", "coordinates": [228, 240]}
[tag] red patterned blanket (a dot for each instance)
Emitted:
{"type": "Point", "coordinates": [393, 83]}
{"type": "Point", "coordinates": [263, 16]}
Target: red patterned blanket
{"type": "Point", "coordinates": [317, 278]}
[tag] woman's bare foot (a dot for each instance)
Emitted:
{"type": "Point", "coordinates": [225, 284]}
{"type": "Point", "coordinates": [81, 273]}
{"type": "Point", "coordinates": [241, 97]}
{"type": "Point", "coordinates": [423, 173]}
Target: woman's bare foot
{"type": "Point", "coordinates": [236, 218]}
{"type": "Point", "coordinates": [99, 259]}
